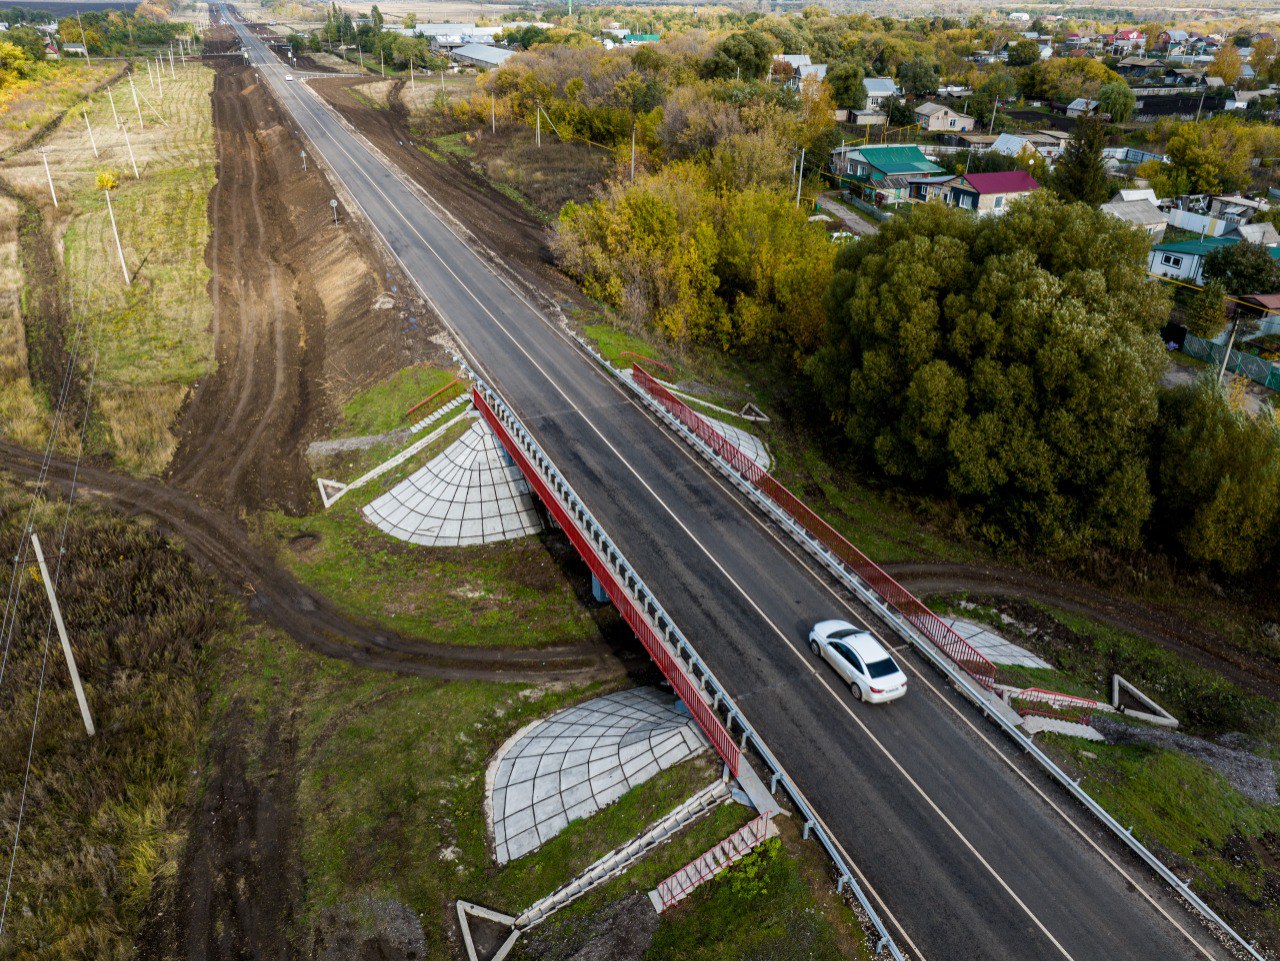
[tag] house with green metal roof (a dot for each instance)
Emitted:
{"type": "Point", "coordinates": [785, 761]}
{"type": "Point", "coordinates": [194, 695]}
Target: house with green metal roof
{"type": "Point", "coordinates": [881, 173]}
{"type": "Point", "coordinates": [1184, 259]}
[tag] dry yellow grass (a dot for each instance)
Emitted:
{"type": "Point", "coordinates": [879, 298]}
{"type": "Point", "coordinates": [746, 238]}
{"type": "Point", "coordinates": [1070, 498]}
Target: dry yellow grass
{"type": "Point", "coordinates": [28, 104]}
{"type": "Point", "coordinates": [21, 418]}
{"type": "Point", "coordinates": [153, 337]}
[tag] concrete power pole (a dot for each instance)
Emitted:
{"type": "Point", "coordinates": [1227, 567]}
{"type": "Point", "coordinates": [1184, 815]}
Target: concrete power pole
{"type": "Point", "coordinates": [92, 143]}
{"type": "Point", "coordinates": [633, 151]}
{"type": "Point", "coordinates": [134, 91]}
{"type": "Point", "coordinates": [800, 177]}
{"type": "Point", "coordinates": [49, 177]}
{"type": "Point", "coordinates": [119, 248]}
{"type": "Point", "coordinates": [125, 130]}
{"type": "Point", "coordinates": [114, 116]}
{"type": "Point", "coordinates": [62, 635]}
{"type": "Point", "coordinates": [83, 39]}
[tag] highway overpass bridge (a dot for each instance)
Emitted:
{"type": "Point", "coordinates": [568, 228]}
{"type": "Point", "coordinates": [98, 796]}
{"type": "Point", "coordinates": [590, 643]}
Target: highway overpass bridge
{"type": "Point", "coordinates": [965, 848]}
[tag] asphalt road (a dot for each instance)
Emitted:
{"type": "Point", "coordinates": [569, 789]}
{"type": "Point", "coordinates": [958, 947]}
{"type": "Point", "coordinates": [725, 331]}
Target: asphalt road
{"type": "Point", "coordinates": [969, 853]}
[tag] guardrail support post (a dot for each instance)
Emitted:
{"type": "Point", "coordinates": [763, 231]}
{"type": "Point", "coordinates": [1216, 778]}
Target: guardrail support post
{"type": "Point", "coordinates": [804, 835]}
{"type": "Point", "coordinates": [773, 784]}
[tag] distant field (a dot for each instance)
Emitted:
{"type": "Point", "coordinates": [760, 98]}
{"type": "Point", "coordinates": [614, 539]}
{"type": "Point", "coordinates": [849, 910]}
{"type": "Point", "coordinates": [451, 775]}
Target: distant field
{"type": "Point", "coordinates": [153, 336]}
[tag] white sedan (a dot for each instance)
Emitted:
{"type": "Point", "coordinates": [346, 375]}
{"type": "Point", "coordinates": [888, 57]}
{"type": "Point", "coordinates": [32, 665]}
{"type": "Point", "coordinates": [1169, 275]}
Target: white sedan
{"type": "Point", "coordinates": [871, 673]}
{"type": "Point", "coordinates": [288, 76]}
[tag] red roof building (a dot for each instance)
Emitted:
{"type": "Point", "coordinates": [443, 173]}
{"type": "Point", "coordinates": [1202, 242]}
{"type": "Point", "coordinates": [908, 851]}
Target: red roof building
{"type": "Point", "coordinates": [989, 193]}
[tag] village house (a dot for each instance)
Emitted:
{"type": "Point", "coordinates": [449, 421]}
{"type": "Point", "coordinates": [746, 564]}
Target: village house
{"type": "Point", "coordinates": [1184, 259]}
{"type": "Point", "coordinates": [934, 116]}
{"type": "Point", "coordinates": [879, 90]}
{"type": "Point", "coordinates": [1143, 214]}
{"type": "Point", "coordinates": [881, 173]}
{"type": "Point", "coordinates": [990, 193]}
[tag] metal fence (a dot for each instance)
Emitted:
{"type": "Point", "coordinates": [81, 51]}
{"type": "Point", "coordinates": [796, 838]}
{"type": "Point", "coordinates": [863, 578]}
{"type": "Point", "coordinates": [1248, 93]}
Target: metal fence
{"type": "Point", "coordinates": [578, 521]}
{"type": "Point", "coordinates": [959, 678]}
{"type": "Point", "coordinates": [1255, 368]}
{"type": "Point", "coordinates": [928, 623]}
{"type": "Point", "coordinates": [707, 865]}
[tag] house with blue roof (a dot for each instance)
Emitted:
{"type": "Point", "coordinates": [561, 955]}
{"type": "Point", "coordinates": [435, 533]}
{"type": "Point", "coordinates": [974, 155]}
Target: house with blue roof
{"type": "Point", "coordinates": [1184, 259]}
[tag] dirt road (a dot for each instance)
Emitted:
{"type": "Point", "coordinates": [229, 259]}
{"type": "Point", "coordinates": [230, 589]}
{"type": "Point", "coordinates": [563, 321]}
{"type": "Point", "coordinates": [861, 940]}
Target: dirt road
{"type": "Point", "coordinates": [305, 312]}
{"type": "Point", "coordinates": [219, 543]}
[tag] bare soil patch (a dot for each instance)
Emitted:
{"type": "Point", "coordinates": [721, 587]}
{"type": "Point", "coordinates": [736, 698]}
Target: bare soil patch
{"type": "Point", "coordinates": [305, 312]}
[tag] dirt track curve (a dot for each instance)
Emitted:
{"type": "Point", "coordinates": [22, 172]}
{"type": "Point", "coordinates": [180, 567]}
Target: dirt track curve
{"type": "Point", "coordinates": [274, 595]}
{"type": "Point", "coordinates": [1154, 624]}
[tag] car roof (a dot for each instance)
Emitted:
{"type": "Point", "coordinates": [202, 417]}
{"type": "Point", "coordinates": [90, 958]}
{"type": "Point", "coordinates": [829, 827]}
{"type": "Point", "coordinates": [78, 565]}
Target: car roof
{"type": "Point", "coordinates": [866, 646]}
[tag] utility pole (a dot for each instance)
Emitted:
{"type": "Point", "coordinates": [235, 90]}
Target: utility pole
{"type": "Point", "coordinates": [493, 113]}
{"type": "Point", "coordinates": [49, 177]}
{"type": "Point", "coordinates": [114, 116]}
{"type": "Point", "coordinates": [411, 81]}
{"type": "Point", "coordinates": [159, 79]}
{"type": "Point", "coordinates": [150, 77]}
{"type": "Point", "coordinates": [1201, 105]}
{"type": "Point", "coordinates": [800, 178]}
{"type": "Point", "coordinates": [538, 128]}
{"type": "Point", "coordinates": [382, 62]}
{"type": "Point", "coordinates": [119, 249]}
{"type": "Point", "coordinates": [130, 148]}
{"type": "Point", "coordinates": [995, 102]}
{"type": "Point", "coordinates": [62, 635]}
{"type": "Point", "coordinates": [92, 143]}
{"type": "Point", "coordinates": [442, 79]}
{"type": "Point", "coordinates": [633, 151]}
{"type": "Point", "coordinates": [172, 75]}
{"type": "Point", "coordinates": [1226, 354]}
{"type": "Point", "coordinates": [304, 161]}
{"type": "Point", "coordinates": [134, 91]}
{"type": "Point", "coordinates": [83, 39]}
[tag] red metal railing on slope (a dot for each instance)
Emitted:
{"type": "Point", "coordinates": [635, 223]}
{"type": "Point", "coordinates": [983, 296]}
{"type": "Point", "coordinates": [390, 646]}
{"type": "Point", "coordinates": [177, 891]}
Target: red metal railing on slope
{"type": "Point", "coordinates": [903, 601]}
{"type": "Point", "coordinates": [1063, 707]}
{"type": "Point", "coordinates": [649, 360]}
{"type": "Point", "coordinates": [703, 868]}
{"type": "Point", "coordinates": [433, 401]}
{"type": "Point", "coordinates": [670, 666]}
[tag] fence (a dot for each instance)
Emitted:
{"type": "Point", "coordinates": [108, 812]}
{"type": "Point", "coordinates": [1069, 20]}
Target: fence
{"type": "Point", "coordinates": [1199, 223]}
{"type": "Point", "coordinates": [903, 601]}
{"type": "Point", "coordinates": [671, 668]}
{"type": "Point", "coordinates": [1255, 368]}
{"type": "Point", "coordinates": [703, 868]}
{"type": "Point", "coordinates": [507, 426]}
{"type": "Point", "coordinates": [1064, 707]}
{"type": "Point", "coordinates": [445, 393]}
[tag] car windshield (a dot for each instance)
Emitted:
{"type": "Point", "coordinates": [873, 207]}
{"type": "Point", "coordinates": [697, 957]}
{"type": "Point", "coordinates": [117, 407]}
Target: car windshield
{"type": "Point", "coordinates": [842, 632]}
{"type": "Point", "coordinates": [882, 668]}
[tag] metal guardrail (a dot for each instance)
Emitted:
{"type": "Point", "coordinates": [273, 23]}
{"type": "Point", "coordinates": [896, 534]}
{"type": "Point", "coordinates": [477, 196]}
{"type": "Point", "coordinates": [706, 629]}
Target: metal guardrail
{"type": "Point", "coordinates": [578, 522]}
{"type": "Point", "coordinates": [962, 681]}
{"type": "Point", "coordinates": [937, 630]}
{"type": "Point", "coordinates": [710, 863]}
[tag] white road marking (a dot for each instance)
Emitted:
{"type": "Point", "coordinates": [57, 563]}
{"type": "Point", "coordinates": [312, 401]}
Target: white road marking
{"type": "Point", "coordinates": [746, 596]}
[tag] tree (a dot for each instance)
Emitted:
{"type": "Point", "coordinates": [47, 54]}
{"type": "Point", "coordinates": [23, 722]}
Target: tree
{"type": "Point", "coordinates": [409, 21]}
{"type": "Point", "coordinates": [1000, 86]}
{"type": "Point", "coordinates": [1227, 64]}
{"type": "Point", "coordinates": [1214, 154]}
{"type": "Point", "coordinates": [918, 77]}
{"type": "Point", "coordinates": [845, 80]}
{"type": "Point", "coordinates": [375, 19]}
{"type": "Point", "coordinates": [1066, 78]}
{"type": "Point", "coordinates": [1080, 174]}
{"type": "Point", "coordinates": [1217, 480]}
{"type": "Point", "coordinates": [1264, 52]}
{"type": "Point", "coordinates": [1118, 100]}
{"type": "Point", "coordinates": [747, 53]}
{"type": "Point", "coordinates": [1009, 362]}
{"type": "Point", "coordinates": [1024, 53]}
{"type": "Point", "coordinates": [29, 41]}
{"type": "Point", "coordinates": [898, 113]}
{"type": "Point", "coordinates": [1206, 312]}
{"type": "Point", "coordinates": [1243, 268]}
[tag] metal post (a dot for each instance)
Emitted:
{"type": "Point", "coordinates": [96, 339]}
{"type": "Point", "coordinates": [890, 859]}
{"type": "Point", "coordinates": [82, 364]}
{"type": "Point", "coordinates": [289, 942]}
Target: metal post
{"type": "Point", "coordinates": [119, 249]}
{"type": "Point", "coordinates": [538, 129]}
{"type": "Point", "coordinates": [172, 75]}
{"type": "Point", "coordinates": [114, 116]}
{"type": "Point", "coordinates": [134, 91]}
{"type": "Point", "coordinates": [84, 40]}
{"type": "Point", "coordinates": [128, 145]}
{"type": "Point", "coordinates": [442, 90]}
{"type": "Point", "coordinates": [62, 635]}
{"type": "Point", "coordinates": [633, 151]}
{"type": "Point", "coordinates": [808, 826]}
{"type": "Point", "coordinates": [304, 161]}
{"type": "Point", "coordinates": [800, 177]}
{"type": "Point", "coordinates": [49, 176]}
{"type": "Point", "coordinates": [92, 143]}
{"type": "Point", "coordinates": [493, 113]}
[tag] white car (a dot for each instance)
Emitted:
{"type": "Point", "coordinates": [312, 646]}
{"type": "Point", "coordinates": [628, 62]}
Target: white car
{"type": "Point", "coordinates": [288, 76]}
{"type": "Point", "coordinates": [869, 670]}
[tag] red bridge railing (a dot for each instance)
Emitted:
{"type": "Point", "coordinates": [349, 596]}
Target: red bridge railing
{"type": "Point", "coordinates": [685, 687]}
{"type": "Point", "coordinates": [960, 651]}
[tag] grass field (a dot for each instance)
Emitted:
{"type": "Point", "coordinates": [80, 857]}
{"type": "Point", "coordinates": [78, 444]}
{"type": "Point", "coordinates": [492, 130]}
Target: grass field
{"type": "Point", "coordinates": [23, 416]}
{"type": "Point", "coordinates": [30, 103]}
{"type": "Point", "coordinates": [153, 336]}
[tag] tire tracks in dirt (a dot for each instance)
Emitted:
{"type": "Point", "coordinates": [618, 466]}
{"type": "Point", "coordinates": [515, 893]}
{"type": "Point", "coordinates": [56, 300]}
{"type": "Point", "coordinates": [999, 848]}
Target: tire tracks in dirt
{"type": "Point", "coordinates": [274, 595]}
{"type": "Point", "coordinates": [1159, 626]}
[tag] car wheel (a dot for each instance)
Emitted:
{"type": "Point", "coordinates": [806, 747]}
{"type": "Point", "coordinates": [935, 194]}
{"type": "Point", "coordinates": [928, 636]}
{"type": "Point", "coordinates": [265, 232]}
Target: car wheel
{"type": "Point", "coordinates": [857, 691]}
{"type": "Point", "coordinates": [813, 645]}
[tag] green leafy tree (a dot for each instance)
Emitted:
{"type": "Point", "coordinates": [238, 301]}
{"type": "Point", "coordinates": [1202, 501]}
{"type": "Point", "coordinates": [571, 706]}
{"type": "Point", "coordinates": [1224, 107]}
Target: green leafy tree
{"type": "Point", "coordinates": [1024, 53]}
{"type": "Point", "coordinates": [1080, 174]}
{"type": "Point", "coordinates": [29, 40]}
{"type": "Point", "coordinates": [845, 80]}
{"type": "Point", "coordinates": [1007, 361]}
{"type": "Point", "coordinates": [899, 114]}
{"type": "Point", "coordinates": [409, 21]}
{"type": "Point", "coordinates": [1206, 311]}
{"type": "Point", "coordinates": [748, 52]}
{"type": "Point", "coordinates": [1118, 100]}
{"type": "Point", "coordinates": [1243, 268]}
{"type": "Point", "coordinates": [918, 77]}
{"type": "Point", "coordinates": [1216, 480]}
{"type": "Point", "coordinates": [375, 19]}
